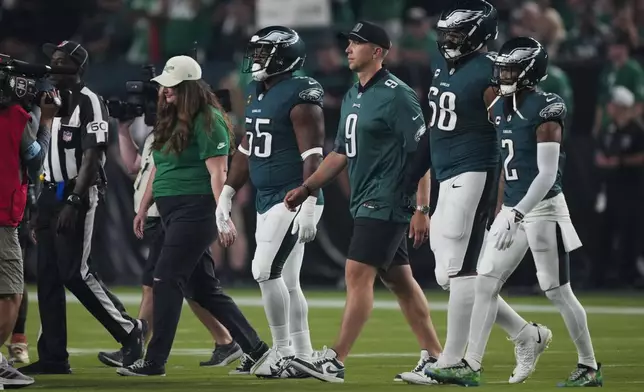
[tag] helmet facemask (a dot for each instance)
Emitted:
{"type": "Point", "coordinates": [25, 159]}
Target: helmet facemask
{"type": "Point", "coordinates": [258, 59]}
{"type": "Point", "coordinates": [507, 79]}
{"type": "Point", "coordinates": [454, 44]}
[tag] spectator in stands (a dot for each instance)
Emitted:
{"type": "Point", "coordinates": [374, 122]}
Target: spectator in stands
{"type": "Point", "coordinates": [558, 83]}
{"type": "Point", "coordinates": [418, 42]}
{"type": "Point", "coordinates": [232, 26]}
{"type": "Point", "coordinates": [550, 27]}
{"type": "Point", "coordinates": [587, 38]}
{"type": "Point", "coordinates": [620, 158]}
{"type": "Point", "coordinates": [336, 78]}
{"type": "Point", "coordinates": [620, 71]}
{"type": "Point", "coordinates": [624, 19]}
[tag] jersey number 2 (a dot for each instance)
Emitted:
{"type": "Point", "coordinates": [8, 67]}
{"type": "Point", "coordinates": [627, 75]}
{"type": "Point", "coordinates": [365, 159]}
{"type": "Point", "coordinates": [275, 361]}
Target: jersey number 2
{"type": "Point", "coordinates": [510, 174]}
{"type": "Point", "coordinates": [255, 145]}
{"type": "Point", "coordinates": [445, 110]}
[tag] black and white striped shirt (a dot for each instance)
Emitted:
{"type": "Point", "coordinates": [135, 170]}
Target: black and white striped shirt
{"type": "Point", "coordinates": [86, 128]}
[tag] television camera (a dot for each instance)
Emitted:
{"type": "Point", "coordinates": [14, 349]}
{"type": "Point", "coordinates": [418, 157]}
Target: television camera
{"type": "Point", "coordinates": [24, 83]}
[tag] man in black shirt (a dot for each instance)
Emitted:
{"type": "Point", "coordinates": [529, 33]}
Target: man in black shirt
{"type": "Point", "coordinates": [620, 158]}
{"type": "Point", "coordinates": [65, 221]}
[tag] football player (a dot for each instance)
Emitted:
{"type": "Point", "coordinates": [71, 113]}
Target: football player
{"type": "Point", "coordinates": [380, 125]}
{"type": "Point", "coordinates": [534, 216]}
{"type": "Point", "coordinates": [465, 158]}
{"type": "Point", "coordinates": [281, 148]}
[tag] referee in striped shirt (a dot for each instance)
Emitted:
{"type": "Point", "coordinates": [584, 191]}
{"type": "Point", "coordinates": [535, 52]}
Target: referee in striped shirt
{"type": "Point", "coordinates": [65, 221]}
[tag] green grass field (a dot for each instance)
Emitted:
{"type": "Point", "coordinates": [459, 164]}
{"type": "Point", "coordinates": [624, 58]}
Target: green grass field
{"type": "Point", "coordinates": [385, 348]}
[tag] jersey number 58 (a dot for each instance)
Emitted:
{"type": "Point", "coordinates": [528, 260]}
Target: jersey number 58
{"type": "Point", "coordinates": [259, 142]}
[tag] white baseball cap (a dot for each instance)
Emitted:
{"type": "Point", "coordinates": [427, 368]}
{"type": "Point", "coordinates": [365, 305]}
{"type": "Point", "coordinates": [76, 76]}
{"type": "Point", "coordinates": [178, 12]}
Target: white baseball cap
{"type": "Point", "coordinates": [179, 69]}
{"type": "Point", "coordinates": [622, 96]}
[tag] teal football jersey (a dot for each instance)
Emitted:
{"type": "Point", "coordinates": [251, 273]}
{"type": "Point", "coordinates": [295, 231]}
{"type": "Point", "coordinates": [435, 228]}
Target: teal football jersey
{"type": "Point", "coordinates": [275, 163]}
{"type": "Point", "coordinates": [518, 140]}
{"type": "Point", "coordinates": [461, 137]}
{"type": "Point", "coordinates": [380, 126]}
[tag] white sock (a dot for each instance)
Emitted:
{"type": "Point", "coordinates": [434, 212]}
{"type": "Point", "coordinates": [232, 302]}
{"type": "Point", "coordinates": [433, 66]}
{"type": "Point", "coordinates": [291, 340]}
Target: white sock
{"type": "Point", "coordinates": [299, 324]}
{"type": "Point", "coordinates": [459, 312]}
{"type": "Point", "coordinates": [574, 317]}
{"type": "Point", "coordinates": [484, 314]}
{"type": "Point", "coordinates": [276, 304]}
{"type": "Point", "coordinates": [508, 319]}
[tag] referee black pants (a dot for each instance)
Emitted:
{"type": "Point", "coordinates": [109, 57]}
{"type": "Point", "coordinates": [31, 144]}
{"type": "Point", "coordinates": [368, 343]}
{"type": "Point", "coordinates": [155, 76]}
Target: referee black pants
{"type": "Point", "coordinates": [63, 263]}
{"type": "Point", "coordinates": [185, 269]}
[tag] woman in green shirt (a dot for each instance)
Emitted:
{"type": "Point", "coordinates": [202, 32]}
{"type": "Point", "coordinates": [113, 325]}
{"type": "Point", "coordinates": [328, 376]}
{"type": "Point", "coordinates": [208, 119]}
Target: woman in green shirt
{"type": "Point", "coordinates": [192, 139]}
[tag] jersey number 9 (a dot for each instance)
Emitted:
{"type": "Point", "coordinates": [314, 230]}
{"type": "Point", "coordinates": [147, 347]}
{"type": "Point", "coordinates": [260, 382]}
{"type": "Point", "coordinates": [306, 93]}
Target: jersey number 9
{"type": "Point", "coordinates": [445, 110]}
{"type": "Point", "coordinates": [350, 135]}
{"type": "Point", "coordinates": [259, 142]}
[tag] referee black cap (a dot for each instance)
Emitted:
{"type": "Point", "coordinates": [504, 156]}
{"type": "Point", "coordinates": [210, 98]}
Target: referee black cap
{"type": "Point", "coordinates": [74, 50]}
{"type": "Point", "coordinates": [365, 31]}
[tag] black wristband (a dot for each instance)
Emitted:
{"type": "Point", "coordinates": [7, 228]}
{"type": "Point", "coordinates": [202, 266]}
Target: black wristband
{"type": "Point", "coordinates": [308, 190]}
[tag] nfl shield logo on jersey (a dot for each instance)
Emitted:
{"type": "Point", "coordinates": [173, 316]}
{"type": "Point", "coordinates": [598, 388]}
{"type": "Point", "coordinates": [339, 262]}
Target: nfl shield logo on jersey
{"type": "Point", "coordinates": [67, 136]}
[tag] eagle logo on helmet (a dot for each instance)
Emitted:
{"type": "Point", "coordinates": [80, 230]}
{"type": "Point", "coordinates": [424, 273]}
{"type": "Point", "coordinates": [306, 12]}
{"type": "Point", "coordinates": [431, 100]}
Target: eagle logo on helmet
{"type": "Point", "coordinates": [517, 55]}
{"type": "Point", "coordinates": [553, 110]}
{"type": "Point", "coordinates": [459, 17]}
{"type": "Point", "coordinates": [312, 94]}
{"type": "Point", "coordinates": [278, 37]}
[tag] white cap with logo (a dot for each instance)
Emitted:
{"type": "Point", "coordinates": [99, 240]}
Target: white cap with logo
{"type": "Point", "coordinates": [622, 96]}
{"type": "Point", "coordinates": [179, 69]}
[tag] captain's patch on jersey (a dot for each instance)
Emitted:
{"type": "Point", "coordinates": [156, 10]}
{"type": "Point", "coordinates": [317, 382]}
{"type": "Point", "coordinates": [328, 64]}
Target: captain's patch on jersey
{"type": "Point", "coordinates": [312, 94]}
{"type": "Point", "coordinates": [553, 110]}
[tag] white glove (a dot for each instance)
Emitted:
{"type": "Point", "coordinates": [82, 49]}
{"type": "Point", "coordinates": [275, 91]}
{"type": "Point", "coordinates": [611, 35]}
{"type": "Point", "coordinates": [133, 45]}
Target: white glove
{"type": "Point", "coordinates": [505, 228]}
{"type": "Point", "coordinates": [304, 223]}
{"type": "Point", "coordinates": [224, 206]}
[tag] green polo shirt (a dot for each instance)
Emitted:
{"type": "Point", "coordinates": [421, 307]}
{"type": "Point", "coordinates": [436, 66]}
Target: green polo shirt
{"type": "Point", "coordinates": [186, 173]}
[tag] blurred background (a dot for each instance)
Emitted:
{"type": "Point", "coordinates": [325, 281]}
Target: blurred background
{"type": "Point", "coordinates": [595, 47]}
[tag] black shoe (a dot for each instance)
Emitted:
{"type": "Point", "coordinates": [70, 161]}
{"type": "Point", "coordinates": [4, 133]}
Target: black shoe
{"type": "Point", "coordinates": [113, 359]}
{"type": "Point", "coordinates": [133, 349]}
{"type": "Point", "coordinates": [40, 367]}
{"type": "Point", "coordinates": [245, 364]}
{"type": "Point", "coordinates": [223, 355]}
{"type": "Point", "coordinates": [142, 369]}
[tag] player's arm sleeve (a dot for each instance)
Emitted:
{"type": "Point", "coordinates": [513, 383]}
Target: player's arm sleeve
{"type": "Point", "coordinates": [215, 141]}
{"type": "Point", "coordinates": [549, 136]}
{"type": "Point", "coordinates": [406, 118]}
{"type": "Point", "coordinates": [94, 125]}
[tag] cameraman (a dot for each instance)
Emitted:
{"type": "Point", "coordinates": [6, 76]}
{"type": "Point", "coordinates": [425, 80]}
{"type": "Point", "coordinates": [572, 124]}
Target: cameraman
{"type": "Point", "coordinates": [64, 225]}
{"type": "Point", "coordinates": [139, 160]}
{"type": "Point", "coordinates": [29, 132]}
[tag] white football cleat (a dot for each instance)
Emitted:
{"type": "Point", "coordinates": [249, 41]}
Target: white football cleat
{"type": "Point", "coordinates": [324, 367]}
{"type": "Point", "coordinates": [528, 350]}
{"type": "Point", "coordinates": [417, 375]}
{"type": "Point", "coordinates": [267, 365]}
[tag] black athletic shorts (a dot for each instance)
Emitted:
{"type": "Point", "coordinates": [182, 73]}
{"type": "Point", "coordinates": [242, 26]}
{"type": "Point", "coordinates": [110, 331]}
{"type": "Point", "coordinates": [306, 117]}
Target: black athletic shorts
{"type": "Point", "coordinates": [379, 243]}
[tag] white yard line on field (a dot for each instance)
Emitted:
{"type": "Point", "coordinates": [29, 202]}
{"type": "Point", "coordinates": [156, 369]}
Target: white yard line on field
{"type": "Point", "coordinates": [135, 299]}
